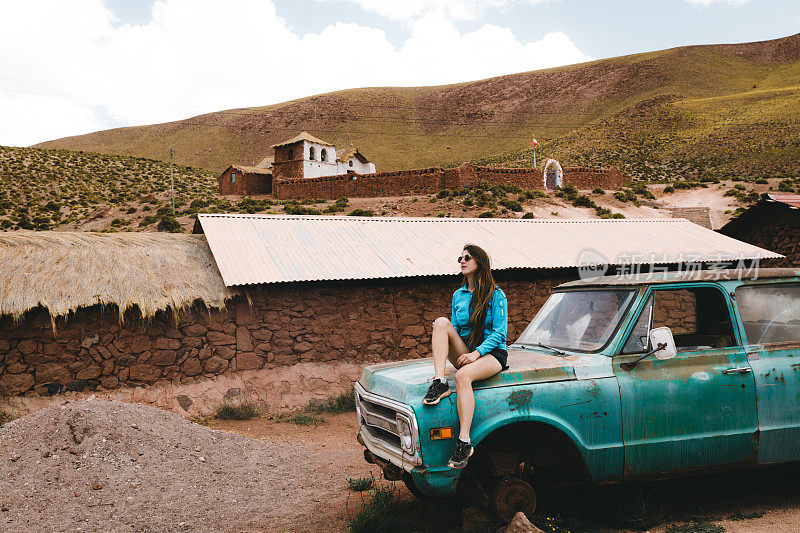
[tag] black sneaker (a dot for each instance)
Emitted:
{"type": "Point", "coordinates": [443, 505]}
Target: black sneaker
{"type": "Point", "coordinates": [437, 391]}
{"type": "Point", "coordinates": [461, 454]}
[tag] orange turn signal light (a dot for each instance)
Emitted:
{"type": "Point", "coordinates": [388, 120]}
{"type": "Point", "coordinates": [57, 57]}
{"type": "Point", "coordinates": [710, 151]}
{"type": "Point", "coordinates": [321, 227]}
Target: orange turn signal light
{"type": "Point", "coordinates": [442, 433]}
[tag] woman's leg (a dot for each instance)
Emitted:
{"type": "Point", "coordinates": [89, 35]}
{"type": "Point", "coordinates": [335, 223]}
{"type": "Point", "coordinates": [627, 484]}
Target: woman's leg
{"type": "Point", "coordinates": [485, 367]}
{"type": "Point", "coordinates": [445, 344]}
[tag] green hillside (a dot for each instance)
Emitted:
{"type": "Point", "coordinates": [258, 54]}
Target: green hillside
{"type": "Point", "coordinates": [721, 109]}
{"type": "Point", "coordinates": [46, 189]}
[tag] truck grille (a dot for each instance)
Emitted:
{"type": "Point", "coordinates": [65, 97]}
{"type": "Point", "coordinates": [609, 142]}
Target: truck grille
{"type": "Point", "coordinates": [377, 418]}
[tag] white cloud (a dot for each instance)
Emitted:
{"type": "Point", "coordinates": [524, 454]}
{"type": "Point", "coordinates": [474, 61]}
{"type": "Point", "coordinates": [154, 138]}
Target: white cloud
{"type": "Point", "coordinates": [75, 71]}
{"type": "Point", "coordinates": [706, 3]}
{"type": "Point", "coordinates": [402, 10]}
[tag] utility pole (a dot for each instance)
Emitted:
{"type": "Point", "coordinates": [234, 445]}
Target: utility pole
{"type": "Point", "coordinates": [171, 181]}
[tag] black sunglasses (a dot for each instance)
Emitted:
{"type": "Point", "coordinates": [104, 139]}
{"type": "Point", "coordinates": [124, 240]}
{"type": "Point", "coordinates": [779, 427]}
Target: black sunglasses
{"type": "Point", "coordinates": [465, 257]}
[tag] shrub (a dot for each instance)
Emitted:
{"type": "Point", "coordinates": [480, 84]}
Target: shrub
{"type": "Point", "coordinates": [486, 214]}
{"type": "Point", "coordinates": [343, 403]}
{"type": "Point", "coordinates": [169, 224]}
{"type": "Point", "coordinates": [444, 193]}
{"type": "Point", "coordinates": [598, 190]}
{"type": "Point", "coordinates": [360, 484]}
{"type": "Point", "coordinates": [621, 196]}
{"type": "Point", "coordinates": [433, 199]}
{"type": "Point", "coordinates": [786, 186]}
{"type": "Point", "coordinates": [583, 201]}
{"type": "Point", "coordinates": [380, 513]}
{"type": "Point", "coordinates": [245, 411]}
{"type": "Point", "coordinates": [119, 222]}
{"type": "Point", "coordinates": [511, 204]}
{"type": "Point", "coordinates": [527, 215]}
{"type": "Point", "coordinates": [468, 201]}
{"type": "Point", "coordinates": [130, 210]}
{"type": "Point", "coordinates": [761, 181]}
{"type": "Point", "coordinates": [668, 189]}
{"type": "Point", "coordinates": [361, 213]}
{"type": "Point", "coordinates": [146, 221]}
{"type": "Point", "coordinates": [303, 419]}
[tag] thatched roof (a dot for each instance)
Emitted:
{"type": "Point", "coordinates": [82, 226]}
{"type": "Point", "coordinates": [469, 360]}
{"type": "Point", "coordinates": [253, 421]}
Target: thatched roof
{"type": "Point", "coordinates": [63, 271]}
{"type": "Point", "coordinates": [351, 151]}
{"type": "Point", "coordinates": [252, 170]}
{"type": "Point", "coordinates": [304, 136]}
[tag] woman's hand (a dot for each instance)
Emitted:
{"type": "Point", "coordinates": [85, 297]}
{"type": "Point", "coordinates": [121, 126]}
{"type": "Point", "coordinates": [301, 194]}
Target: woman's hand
{"type": "Point", "coordinates": [468, 358]}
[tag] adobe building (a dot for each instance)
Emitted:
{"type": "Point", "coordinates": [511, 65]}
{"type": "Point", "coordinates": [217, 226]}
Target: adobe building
{"type": "Point", "coordinates": [306, 156]}
{"type": "Point", "coordinates": [278, 310]}
{"type": "Point", "coordinates": [247, 180]}
{"type": "Point", "coordinates": [772, 223]}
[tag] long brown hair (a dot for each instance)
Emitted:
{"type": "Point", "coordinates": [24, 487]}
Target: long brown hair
{"type": "Point", "coordinates": [484, 289]}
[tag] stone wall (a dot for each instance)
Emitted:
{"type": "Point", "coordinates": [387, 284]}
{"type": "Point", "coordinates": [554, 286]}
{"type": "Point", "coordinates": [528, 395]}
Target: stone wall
{"type": "Point", "coordinates": [431, 180]}
{"type": "Point", "coordinates": [775, 227]}
{"type": "Point", "coordinates": [285, 167]}
{"type": "Point", "coordinates": [280, 326]}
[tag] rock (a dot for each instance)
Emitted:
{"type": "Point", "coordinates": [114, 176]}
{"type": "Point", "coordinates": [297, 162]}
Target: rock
{"type": "Point", "coordinates": [259, 334]}
{"type": "Point", "coordinates": [111, 382]}
{"type": "Point", "coordinates": [27, 346]}
{"type": "Point", "coordinates": [16, 368]}
{"type": "Point", "coordinates": [52, 372]}
{"type": "Point", "coordinates": [414, 331]}
{"type": "Point", "coordinates": [303, 346]}
{"type": "Point", "coordinates": [216, 365]}
{"type": "Point", "coordinates": [13, 384]}
{"type": "Point", "coordinates": [248, 361]}
{"type": "Point", "coordinates": [226, 352]}
{"type": "Point", "coordinates": [89, 341]}
{"type": "Point", "coordinates": [475, 520]}
{"type": "Point", "coordinates": [205, 353]}
{"type": "Point", "coordinates": [139, 345]}
{"type": "Point", "coordinates": [243, 341]}
{"type": "Point", "coordinates": [89, 372]}
{"type": "Point", "coordinates": [520, 524]}
{"type": "Point", "coordinates": [195, 330]}
{"type": "Point", "coordinates": [144, 372]}
{"type": "Point", "coordinates": [163, 357]}
{"type": "Point", "coordinates": [172, 333]}
{"type": "Point", "coordinates": [4, 346]}
{"type": "Point", "coordinates": [193, 342]}
{"type": "Point", "coordinates": [77, 385]}
{"type": "Point", "coordinates": [215, 337]}
{"type": "Point", "coordinates": [228, 328]}
{"type": "Point", "coordinates": [163, 343]}
{"type": "Point", "coordinates": [191, 367]}
{"type": "Point", "coordinates": [232, 393]}
{"type": "Point", "coordinates": [184, 401]}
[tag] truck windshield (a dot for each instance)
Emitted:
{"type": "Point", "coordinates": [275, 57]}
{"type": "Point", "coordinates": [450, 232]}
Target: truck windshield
{"type": "Point", "coordinates": [581, 321]}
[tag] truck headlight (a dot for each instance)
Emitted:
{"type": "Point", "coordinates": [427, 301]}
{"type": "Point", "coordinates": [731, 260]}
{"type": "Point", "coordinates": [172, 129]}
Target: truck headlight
{"type": "Point", "coordinates": [404, 430]}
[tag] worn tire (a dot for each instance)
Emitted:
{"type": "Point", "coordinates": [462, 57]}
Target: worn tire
{"type": "Point", "coordinates": [512, 495]}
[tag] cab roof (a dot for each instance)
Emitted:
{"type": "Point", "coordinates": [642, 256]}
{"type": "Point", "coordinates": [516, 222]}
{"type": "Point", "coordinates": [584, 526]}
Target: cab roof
{"type": "Point", "coordinates": [651, 278]}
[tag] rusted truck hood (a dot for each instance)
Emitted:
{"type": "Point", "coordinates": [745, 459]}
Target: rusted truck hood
{"type": "Point", "coordinates": [408, 381]}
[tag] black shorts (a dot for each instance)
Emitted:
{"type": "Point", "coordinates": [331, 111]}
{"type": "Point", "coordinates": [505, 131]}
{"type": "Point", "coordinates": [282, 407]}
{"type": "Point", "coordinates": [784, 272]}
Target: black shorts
{"type": "Point", "coordinates": [501, 355]}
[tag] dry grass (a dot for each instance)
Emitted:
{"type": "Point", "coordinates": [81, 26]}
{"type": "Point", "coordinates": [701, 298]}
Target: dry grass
{"type": "Point", "coordinates": [64, 271]}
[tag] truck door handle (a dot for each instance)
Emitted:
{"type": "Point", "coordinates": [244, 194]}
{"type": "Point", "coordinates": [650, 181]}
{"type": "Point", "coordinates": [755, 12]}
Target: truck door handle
{"type": "Point", "coordinates": [740, 370]}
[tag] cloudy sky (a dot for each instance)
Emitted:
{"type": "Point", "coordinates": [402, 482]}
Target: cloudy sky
{"type": "Point", "coordinates": [69, 67]}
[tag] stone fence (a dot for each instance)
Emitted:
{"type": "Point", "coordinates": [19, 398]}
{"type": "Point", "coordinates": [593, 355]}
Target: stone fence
{"type": "Point", "coordinates": [266, 329]}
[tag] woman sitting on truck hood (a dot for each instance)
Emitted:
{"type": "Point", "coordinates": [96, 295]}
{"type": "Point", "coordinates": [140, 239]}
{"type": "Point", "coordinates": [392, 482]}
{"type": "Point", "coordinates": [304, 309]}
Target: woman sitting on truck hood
{"type": "Point", "coordinates": [474, 340]}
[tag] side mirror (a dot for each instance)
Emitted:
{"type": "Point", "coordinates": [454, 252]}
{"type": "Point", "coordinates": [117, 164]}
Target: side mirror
{"type": "Point", "coordinates": [663, 336]}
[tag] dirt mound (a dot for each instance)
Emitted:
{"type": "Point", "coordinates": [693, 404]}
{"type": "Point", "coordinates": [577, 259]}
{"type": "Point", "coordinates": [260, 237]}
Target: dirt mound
{"type": "Point", "coordinates": [100, 465]}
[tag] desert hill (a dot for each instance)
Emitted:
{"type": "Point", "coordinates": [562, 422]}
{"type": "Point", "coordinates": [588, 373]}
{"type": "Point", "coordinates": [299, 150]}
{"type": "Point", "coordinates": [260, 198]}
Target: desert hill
{"type": "Point", "coordinates": [725, 109]}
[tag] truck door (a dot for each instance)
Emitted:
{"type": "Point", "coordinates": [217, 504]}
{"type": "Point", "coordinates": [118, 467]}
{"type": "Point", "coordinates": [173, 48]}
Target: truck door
{"type": "Point", "coordinates": [698, 409]}
{"type": "Point", "coordinates": [770, 315]}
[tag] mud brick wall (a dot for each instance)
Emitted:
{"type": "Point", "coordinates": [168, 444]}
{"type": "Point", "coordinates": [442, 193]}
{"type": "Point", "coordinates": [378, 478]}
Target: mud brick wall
{"type": "Point", "coordinates": [285, 167]}
{"type": "Point", "coordinates": [431, 180]}
{"type": "Point", "coordinates": [309, 322]}
{"type": "Point", "coordinates": [245, 184]}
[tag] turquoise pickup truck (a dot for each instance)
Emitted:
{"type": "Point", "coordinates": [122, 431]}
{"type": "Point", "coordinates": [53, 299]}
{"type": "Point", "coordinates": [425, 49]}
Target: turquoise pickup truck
{"type": "Point", "coordinates": [615, 379]}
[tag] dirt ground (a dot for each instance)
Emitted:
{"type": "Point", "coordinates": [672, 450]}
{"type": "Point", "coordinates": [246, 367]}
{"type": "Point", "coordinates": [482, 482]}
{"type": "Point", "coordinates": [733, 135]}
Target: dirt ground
{"type": "Point", "coordinates": [100, 465]}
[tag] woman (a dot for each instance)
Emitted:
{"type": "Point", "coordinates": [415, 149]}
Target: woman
{"type": "Point", "coordinates": [474, 340]}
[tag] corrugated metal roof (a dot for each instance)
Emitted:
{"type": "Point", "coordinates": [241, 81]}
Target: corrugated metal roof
{"type": "Point", "coordinates": [792, 200]}
{"type": "Point", "coordinates": [252, 249]}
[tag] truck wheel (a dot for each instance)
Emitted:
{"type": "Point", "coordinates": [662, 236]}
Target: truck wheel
{"type": "Point", "coordinates": [511, 496]}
